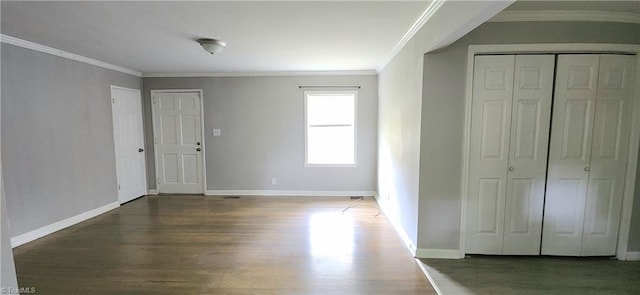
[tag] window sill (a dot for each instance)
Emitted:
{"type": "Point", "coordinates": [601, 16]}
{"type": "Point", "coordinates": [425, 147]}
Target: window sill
{"type": "Point", "coordinates": [306, 165]}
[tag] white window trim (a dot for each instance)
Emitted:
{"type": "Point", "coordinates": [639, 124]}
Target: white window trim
{"type": "Point", "coordinates": [355, 128]}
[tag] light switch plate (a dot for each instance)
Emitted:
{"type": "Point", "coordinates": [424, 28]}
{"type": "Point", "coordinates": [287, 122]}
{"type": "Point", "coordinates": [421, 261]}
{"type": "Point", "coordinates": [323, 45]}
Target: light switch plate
{"type": "Point", "coordinates": [216, 132]}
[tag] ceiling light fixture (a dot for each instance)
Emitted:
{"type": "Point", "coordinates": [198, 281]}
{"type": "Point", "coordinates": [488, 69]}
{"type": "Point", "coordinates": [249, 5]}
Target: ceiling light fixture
{"type": "Point", "coordinates": [212, 45]}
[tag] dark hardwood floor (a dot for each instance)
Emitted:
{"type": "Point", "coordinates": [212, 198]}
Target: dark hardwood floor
{"type": "Point", "coordinates": [211, 245]}
{"type": "Point", "coordinates": [534, 275]}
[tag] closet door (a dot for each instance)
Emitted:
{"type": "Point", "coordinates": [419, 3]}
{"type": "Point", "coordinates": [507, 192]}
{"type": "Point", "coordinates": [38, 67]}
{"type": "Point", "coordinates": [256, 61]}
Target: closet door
{"type": "Point", "coordinates": [569, 154]}
{"type": "Point", "coordinates": [529, 143]}
{"type": "Point", "coordinates": [510, 128]}
{"type": "Point", "coordinates": [489, 154]}
{"type": "Point", "coordinates": [588, 161]}
{"type": "Point", "coordinates": [608, 155]}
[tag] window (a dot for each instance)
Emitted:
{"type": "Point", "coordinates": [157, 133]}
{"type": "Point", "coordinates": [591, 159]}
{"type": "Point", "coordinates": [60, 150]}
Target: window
{"type": "Point", "coordinates": [330, 118]}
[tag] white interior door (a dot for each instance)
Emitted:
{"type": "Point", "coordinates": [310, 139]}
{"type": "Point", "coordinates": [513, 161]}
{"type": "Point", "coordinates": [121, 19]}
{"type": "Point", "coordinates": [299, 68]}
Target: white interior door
{"type": "Point", "coordinates": [489, 154]}
{"type": "Point", "coordinates": [570, 154]}
{"type": "Point", "coordinates": [129, 143]}
{"type": "Point", "coordinates": [178, 141]}
{"type": "Point", "coordinates": [608, 155]}
{"type": "Point", "coordinates": [529, 143]}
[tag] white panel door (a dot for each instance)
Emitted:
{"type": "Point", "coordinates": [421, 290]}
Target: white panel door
{"type": "Point", "coordinates": [608, 155]}
{"type": "Point", "coordinates": [529, 143]}
{"type": "Point", "coordinates": [129, 143]}
{"type": "Point", "coordinates": [569, 154]}
{"type": "Point", "coordinates": [178, 142]}
{"type": "Point", "coordinates": [489, 154]}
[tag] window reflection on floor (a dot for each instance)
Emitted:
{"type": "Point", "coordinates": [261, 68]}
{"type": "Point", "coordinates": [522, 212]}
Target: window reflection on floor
{"type": "Point", "coordinates": [331, 241]}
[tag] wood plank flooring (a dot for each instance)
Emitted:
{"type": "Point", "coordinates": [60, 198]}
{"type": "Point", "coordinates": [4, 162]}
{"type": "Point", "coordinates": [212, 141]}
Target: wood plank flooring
{"type": "Point", "coordinates": [211, 245]}
{"type": "Point", "coordinates": [519, 275]}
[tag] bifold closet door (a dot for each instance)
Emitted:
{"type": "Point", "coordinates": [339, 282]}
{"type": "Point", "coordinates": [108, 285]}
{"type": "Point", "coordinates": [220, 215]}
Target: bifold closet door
{"type": "Point", "coordinates": [509, 139]}
{"type": "Point", "coordinates": [489, 157]}
{"type": "Point", "coordinates": [587, 156]}
{"type": "Point", "coordinates": [527, 172]}
{"type": "Point", "coordinates": [570, 153]}
{"type": "Point", "coordinates": [611, 130]}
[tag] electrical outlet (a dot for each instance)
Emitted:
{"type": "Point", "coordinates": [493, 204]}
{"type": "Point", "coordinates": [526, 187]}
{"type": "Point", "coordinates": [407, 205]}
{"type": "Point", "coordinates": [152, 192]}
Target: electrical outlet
{"type": "Point", "coordinates": [216, 132]}
{"type": "Point", "coordinates": [274, 180]}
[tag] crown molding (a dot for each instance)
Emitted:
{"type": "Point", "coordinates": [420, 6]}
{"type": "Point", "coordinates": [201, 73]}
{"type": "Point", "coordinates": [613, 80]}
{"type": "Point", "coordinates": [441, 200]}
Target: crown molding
{"type": "Point", "coordinates": [61, 53]}
{"type": "Point", "coordinates": [261, 74]}
{"type": "Point", "coordinates": [566, 15]}
{"type": "Point", "coordinates": [431, 9]}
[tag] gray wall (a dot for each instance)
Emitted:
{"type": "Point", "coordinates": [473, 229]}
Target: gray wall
{"type": "Point", "coordinates": [443, 115]}
{"type": "Point", "coordinates": [634, 234]}
{"type": "Point", "coordinates": [58, 155]}
{"type": "Point", "coordinates": [7, 267]}
{"type": "Point", "coordinates": [399, 138]}
{"type": "Point", "coordinates": [400, 92]}
{"type": "Point", "coordinates": [262, 126]}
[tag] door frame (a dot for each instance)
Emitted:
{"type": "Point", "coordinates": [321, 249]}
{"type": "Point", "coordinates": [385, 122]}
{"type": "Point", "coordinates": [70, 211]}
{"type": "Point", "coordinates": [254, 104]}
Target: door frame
{"type": "Point", "coordinates": [144, 155]}
{"type": "Point", "coordinates": [202, 133]}
{"type": "Point", "coordinates": [634, 136]}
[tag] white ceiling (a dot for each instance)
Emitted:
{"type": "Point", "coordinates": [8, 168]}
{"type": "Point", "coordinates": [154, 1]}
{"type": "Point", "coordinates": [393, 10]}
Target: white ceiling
{"type": "Point", "coordinates": [159, 37]}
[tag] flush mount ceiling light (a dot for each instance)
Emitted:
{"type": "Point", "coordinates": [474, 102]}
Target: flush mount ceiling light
{"type": "Point", "coordinates": [212, 45]}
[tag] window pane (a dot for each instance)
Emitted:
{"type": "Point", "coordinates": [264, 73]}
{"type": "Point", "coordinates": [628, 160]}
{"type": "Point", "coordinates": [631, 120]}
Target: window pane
{"type": "Point", "coordinates": [330, 145]}
{"type": "Point", "coordinates": [327, 109]}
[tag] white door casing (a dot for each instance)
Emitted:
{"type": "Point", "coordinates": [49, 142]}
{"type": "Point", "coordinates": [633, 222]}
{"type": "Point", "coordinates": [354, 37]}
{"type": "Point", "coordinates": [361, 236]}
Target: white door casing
{"type": "Point", "coordinates": [510, 122]}
{"type": "Point", "coordinates": [128, 137]}
{"type": "Point", "coordinates": [178, 138]}
{"type": "Point", "coordinates": [588, 154]}
{"type": "Point", "coordinates": [531, 119]}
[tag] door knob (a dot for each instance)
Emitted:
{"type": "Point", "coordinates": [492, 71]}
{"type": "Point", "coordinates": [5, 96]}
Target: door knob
{"type": "Point", "coordinates": [587, 169]}
{"type": "Point", "coordinates": [140, 150]}
{"type": "Point", "coordinates": [198, 149]}
{"type": "Point", "coordinates": [198, 143]}
{"type": "Point", "coordinates": [512, 168]}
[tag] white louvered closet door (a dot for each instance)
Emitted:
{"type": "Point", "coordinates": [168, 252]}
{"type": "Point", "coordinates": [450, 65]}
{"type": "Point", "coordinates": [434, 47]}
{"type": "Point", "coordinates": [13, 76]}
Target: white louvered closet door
{"type": "Point", "coordinates": [509, 137]}
{"type": "Point", "coordinates": [587, 156]}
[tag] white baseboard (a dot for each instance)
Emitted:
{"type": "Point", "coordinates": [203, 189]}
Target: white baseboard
{"type": "Point", "coordinates": [152, 192]}
{"type": "Point", "coordinates": [439, 253]}
{"type": "Point", "coordinates": [399, 229]}
{"type": "Point", "coordinates": [288, 193]}
{"type": "Point", "coordinates": [632, 256]}
{"type": "Point", "coordinates": [54, 227]}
